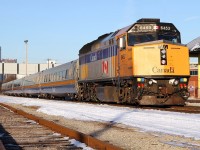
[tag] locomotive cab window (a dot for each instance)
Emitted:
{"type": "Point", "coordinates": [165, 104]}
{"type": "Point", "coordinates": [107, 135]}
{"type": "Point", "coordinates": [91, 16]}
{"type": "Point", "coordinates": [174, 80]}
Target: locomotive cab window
{"type": "Point", "coordinates": [140, 38]}
{"type": "Point", "coordinates": [169, 36]}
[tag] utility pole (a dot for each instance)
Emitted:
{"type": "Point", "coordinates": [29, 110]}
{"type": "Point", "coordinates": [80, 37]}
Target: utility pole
{"type": "Point", "coordinates": [0, 53]}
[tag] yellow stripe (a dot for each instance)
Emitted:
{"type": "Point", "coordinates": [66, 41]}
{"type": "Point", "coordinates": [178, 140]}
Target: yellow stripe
{"type": "Point", "coordinates": [17, 88]}
{"type": "Point", "coordinates": [68, 82]}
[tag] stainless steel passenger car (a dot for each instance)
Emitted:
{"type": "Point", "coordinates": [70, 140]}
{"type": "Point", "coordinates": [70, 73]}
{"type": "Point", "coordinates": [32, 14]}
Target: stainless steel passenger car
{"type": "Point", "coordinates": [59, 81]}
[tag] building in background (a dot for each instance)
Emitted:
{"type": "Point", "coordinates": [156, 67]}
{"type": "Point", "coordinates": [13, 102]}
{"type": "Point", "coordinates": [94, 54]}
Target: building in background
{"type": "Point", "coordinates": [193, 81]}
{"type": "Point", "coordinates": [8, 60]}
{"type": "Point", "coordinates": [19, 69]}
{"type": "Point", "coordinates": [6, 76]}
{"type": "Point", "coordinates": [194, 52]}
{"type": "Point", "coordinates": [11, 70]}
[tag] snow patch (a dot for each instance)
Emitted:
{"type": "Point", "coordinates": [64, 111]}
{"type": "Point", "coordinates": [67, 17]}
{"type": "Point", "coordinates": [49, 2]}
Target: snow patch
{"type": "Point", "coordinates": [79, 144]}
{"type": "Point", "coordinates": [183, 124]}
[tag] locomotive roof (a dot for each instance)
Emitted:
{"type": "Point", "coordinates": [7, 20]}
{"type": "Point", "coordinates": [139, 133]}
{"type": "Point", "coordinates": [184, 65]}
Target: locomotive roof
{"type": "Point", "coordinates": [123, 30]}
{"type": "Point", "coordinates": [88, 47]}
{"type": "Point", "coordinates": [194, 45]}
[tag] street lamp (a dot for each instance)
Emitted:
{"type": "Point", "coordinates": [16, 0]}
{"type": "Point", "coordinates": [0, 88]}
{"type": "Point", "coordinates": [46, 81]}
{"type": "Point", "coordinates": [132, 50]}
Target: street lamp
{"type": "Point", "coordinates": [48, 62]}
{"type": "Point", "coordinates": [26, 45]}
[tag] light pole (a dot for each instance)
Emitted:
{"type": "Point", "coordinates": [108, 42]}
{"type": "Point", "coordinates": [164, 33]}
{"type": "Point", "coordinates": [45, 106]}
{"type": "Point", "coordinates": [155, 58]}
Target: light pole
{"type": "Point", "coordinates": [48, 62]}
{"type": "Point", "coordinates": [26, 45]}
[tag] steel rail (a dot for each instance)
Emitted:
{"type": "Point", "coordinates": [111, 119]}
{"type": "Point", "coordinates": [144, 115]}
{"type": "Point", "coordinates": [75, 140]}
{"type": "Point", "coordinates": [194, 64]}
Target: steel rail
{"type": "Point", "coordinates": [87, 139]}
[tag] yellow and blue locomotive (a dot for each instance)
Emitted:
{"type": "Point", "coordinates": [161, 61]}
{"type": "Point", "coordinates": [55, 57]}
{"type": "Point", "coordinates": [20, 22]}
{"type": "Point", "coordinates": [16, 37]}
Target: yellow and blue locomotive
{"type": "Point", "coordinates": [144, 63]}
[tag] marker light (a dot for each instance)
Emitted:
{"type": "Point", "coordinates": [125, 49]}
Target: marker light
{"type": "Point", "coordinates": [176, 82]}
{"type": "Point", "coordinates": [155, 27]}
{"type": "Point", "coordinates": [140, 79]}
{"type": "Point", "coordinates": [163, 62]}
{"type": "Point", "coordinates": [140, 85]}
{"type": "Point", "coordinates": [185, 86]}
{"type": "Point", "coordinates": [183, 80]}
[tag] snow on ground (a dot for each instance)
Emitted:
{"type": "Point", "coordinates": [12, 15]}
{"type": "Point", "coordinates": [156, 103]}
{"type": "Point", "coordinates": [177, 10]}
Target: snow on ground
{"type": "Point", "coordinates": [79, 144]}
{"type": "Point", "coordinates": [183, 124]}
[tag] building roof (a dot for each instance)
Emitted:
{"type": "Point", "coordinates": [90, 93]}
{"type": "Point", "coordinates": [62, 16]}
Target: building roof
{"type": "Point", "coordinates": [194, 45]}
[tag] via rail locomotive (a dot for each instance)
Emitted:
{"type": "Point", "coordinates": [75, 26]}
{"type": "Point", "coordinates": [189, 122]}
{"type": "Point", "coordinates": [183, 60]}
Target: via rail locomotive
{"type": "Point", "coordinates": [144, 63]}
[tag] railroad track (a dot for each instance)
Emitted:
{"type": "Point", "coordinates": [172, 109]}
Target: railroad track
{"type": "Point", "coordinates": [17, 132]}
{"type": "Point", "coordinates": [185, 109]}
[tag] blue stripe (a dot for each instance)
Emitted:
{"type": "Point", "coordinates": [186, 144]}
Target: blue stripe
{"type": "Point", "coordinates": [99, 55]}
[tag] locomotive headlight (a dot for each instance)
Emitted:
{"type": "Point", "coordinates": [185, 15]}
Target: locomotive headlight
{"type": "Point", "coordinates": [176, 82]}
{"type": "Point", "coordinates": [163, 62]}
{"type": "Point", "coordinates": [163, 56]}
{"type": "Point", "coordinates": [163, 51]}
{"type": "Point", "coordinates": [150, 82]}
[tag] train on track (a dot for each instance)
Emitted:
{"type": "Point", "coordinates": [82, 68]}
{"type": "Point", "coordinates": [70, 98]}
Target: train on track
{"type": "Point", "coordinates": [144, 63]}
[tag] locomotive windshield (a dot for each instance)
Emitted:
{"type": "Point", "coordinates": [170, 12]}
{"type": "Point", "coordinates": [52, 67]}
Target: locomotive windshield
{"type": "Point", "coordinates": [141, 33]}
{"type": "Point", "coordinates": [173, 37]}
{"type": "Point", "coordinates": [140, 38]}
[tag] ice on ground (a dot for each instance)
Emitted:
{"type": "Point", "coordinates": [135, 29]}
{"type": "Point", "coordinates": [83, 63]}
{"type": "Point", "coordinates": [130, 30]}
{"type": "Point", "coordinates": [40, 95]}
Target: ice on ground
{"type": "Point", "coordinates": [31, 122]}
{"type": "Point", "coordinates": [79, 144]}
